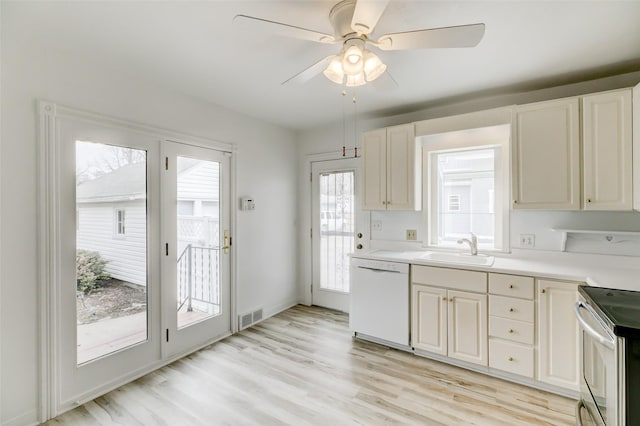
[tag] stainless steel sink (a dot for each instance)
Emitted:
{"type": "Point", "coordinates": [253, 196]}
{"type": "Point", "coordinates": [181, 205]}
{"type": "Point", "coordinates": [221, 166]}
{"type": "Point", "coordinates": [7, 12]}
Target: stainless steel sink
{"type": "Point", "coordinates": [458, 258]}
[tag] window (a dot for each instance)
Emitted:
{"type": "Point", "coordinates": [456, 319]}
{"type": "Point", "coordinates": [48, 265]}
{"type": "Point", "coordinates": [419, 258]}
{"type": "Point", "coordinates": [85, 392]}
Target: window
{"type": "Point", "coordinates": [454, 203]}
{"type": "Point", "coordinates": [466, 186]}
{"type": "Point", "coordinates": [120, 222]}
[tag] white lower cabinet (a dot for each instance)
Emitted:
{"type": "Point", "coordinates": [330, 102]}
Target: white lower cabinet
{"type": "Point", "coordinates": [512, 324]}
{"type": "Point", "coordinates": [558, 334]}
{"type": "Point", "coordinates": [447, 320]}
{"type": "Point", "coordinates": [516, 324]}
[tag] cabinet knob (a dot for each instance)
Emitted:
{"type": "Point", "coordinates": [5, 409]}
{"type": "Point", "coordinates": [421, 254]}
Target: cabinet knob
{"type": "Point", "coordinates": [510, 285]}
{"type": "Point", "coordinates": [444, 298]}
{"type": "Point", "coordinates": [384, 203]}
{"type": "Point", "coordinates": [510, 358]}
{"type": "Point", "coordinates": [515, 201]}
{"type": "Point", "coordinates": [543, 291]}
{"type": "Point", "coordinates": [511, 330]}
{"type": "Point", "coordinates": [451, 300]}
{"type": "Point", "coordinates": [511, 309]}
{"type": "Point", "coordinates": [588, 200]}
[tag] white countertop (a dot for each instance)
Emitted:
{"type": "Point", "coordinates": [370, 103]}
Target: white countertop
{"type": "Point", "coordinates": [620, 272]}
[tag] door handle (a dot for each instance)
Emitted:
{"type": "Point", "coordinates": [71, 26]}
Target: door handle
{"type": "Point", "coordinates": [226, 242]}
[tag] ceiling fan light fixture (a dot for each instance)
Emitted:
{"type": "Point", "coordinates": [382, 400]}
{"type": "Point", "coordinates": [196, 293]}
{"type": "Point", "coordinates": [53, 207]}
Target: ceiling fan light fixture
{"type": "Point", "coordinates": [373, 66]}
{"type": "Point", "coordinates": [334, 70]}
{"type": "Point", "coordinates": [356, 80]}
{"type": "Point", "coordinates": [353, 59]}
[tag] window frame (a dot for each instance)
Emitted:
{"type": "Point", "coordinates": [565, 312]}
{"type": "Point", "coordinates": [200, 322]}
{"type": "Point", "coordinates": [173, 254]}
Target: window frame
{"type": "Point", "coordinates": [497, 137]}
{"type": "Point", "coordinates": [118, 224]}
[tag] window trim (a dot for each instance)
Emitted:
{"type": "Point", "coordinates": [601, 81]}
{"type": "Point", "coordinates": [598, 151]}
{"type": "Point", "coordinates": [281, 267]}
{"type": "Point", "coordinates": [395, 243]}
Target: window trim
{"type": "Point", "coordinates": [119, 226]}
{"type": "Point", "coordinates": [493, 136]}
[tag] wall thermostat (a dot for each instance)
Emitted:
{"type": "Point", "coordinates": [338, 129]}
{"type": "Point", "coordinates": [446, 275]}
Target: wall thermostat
{"type": "Point", "coordinates": [247, 203]}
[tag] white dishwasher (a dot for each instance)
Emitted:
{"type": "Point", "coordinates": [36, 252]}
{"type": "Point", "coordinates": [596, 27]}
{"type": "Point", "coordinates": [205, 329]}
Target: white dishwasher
{"type": "Point", "coordinates": [379, 309]}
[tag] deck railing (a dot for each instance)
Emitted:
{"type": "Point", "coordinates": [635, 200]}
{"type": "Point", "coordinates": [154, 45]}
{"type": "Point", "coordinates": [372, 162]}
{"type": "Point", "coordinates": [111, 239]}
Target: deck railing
{"type": "Point", "coordinates": [198, 272]}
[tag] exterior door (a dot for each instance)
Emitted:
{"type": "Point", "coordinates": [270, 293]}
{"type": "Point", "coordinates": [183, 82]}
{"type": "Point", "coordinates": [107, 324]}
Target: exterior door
{"type": "Point", "coordinates": [105, 291]}
{"type": "Point", "coordinates": [337, 230]}
{"type": "Point", "coordinates": [196, 247]}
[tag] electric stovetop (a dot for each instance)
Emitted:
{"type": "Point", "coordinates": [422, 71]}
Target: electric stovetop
{"type": "Point", "coordinates": [621, 308]}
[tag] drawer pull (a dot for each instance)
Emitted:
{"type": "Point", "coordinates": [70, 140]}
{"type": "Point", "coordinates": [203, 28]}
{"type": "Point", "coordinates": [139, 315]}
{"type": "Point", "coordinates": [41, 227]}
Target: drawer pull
{"type": "Point", "coordinates": [511, 309]}
{"type": "Point", "coordinates": [511, 330]}
{"type": "Point", "coordinates": [510, 358]}
{"type": "Point", "coordinates": [510, 285]}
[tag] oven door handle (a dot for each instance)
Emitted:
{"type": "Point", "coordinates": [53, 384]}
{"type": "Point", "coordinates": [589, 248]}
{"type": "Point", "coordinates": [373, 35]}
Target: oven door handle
{"type": "Point", "coordinates": [608, 342]}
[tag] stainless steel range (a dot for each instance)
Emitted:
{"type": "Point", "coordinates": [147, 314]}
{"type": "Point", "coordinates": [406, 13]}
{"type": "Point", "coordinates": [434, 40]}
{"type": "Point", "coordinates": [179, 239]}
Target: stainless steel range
{"type": "Point", "coordinates": [610, 339]}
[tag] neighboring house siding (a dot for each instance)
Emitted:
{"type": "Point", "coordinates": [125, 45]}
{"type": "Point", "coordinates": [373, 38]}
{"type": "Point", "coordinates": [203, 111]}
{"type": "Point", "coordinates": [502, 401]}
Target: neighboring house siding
{"type": "Point", "coordinates": [126, 255]}
{"type": "Point", "coordinates": [200, 182]}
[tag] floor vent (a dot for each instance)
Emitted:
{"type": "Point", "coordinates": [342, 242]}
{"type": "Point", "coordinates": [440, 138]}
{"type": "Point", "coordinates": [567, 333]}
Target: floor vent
{"type": "Point", "coordinates": [250, 318]}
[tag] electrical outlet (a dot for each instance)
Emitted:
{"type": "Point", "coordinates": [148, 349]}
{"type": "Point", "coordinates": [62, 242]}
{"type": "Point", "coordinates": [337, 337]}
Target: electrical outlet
{"type": "Point", "coordinates": [527, 240]}
{"type": "Point", "coordinates": [376, 225]}
{"type": "Point", "coordinates": [412, 234]}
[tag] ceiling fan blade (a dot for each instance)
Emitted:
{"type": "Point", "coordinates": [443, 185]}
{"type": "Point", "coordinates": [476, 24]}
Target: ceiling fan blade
{"type": "Point", "coordinates": [460, 36]}
{"type": "Point", "coordinates": [309, 72]}
{"type": "Point", "coordinates": [251, 23]}
{"type": "Point", "coordinates": [366, 15]}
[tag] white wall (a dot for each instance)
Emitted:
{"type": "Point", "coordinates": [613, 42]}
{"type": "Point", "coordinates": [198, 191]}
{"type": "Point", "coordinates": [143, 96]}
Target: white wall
{"type": "Point", "coordinates": [329, 137]}
{"type": "Point", "coordinates": [266, 170]}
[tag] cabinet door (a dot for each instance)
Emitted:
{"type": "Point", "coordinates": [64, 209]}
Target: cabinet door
{"type": "Point", "coordinates": [429, 319]}
{"type": "Point", "coordinates": [467, 327]}
{"type": "Point", "coordinates": [374, 170]}
{"type": "Point", "coordinates": [546, 156]}
{"type": "Point", "coordinates": [606, 144]}
{"type": "Point", "coordinates": [402, 189]}
{"type": "Point", "coordinates": [558, 333]}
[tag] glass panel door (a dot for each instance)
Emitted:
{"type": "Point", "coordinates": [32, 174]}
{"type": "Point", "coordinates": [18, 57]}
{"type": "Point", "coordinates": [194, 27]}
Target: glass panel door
{"type": "Point", "coordinates": [111, 248]}
{"type": "Point", "coordinates": [105, 251]}
{"type": "Point", "coordinates": [196, 234]}
{"type": "Point", "coordinates": [335, 220]}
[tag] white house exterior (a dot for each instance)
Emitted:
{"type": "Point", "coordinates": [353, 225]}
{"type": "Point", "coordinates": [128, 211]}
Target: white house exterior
{"type": "Point", "coordinates": [111, 215]}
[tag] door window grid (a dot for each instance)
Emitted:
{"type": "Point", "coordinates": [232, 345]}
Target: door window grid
{"type": "Point", "coordinates": [337, 226]}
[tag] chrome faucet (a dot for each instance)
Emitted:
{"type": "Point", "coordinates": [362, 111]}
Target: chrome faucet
{"type": "Point", "coordinates": [473, 243]}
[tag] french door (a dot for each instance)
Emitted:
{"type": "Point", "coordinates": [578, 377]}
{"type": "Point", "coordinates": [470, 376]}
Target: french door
{"type": "Point", "coordinates": [105, 248]}
{"type": "Point", "coordinates": [337, 230]}
{"type": "Point", "coordinates": [195, 232]}
{"type": "Point", "coordinates": [135, 251]}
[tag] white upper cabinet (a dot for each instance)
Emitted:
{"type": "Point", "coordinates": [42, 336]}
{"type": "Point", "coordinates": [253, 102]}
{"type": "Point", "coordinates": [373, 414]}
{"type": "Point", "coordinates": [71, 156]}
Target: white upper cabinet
{"type": "Point", "coordinates": [549, 171]}
{"type": "Point", "coordinates": [606, 145]}
{"type": "Point", "coordinates": [546, 155]}
{"type": "Point", "coordinates": [391, 171]}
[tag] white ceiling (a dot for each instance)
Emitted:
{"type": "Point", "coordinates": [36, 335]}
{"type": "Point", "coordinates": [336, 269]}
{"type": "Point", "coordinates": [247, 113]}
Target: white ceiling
{"type": "Point", "coordinates": [193, 48]}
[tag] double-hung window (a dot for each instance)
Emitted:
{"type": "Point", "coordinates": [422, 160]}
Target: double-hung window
{"type": "Point", "coordinates": [466, 187]}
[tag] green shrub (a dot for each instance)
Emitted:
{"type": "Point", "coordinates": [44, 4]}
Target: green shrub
{"type": "Point", "coordinates": [89, 270]}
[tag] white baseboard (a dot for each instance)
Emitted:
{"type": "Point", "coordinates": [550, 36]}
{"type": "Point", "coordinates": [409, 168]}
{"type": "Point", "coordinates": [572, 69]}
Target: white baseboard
{"type": "Point", "coordinates": [29, 418]}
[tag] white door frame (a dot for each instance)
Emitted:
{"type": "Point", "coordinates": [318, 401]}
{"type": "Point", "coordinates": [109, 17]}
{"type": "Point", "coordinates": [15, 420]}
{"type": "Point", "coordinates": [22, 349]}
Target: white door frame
{"type": "Point", "coordinates": [306, 224]}
{"type": "Point", "coordinates": [50, 116]}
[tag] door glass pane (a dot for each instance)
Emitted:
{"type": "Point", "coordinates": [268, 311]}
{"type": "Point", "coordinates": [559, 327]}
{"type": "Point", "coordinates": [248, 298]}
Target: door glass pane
{"type": "Point", "coordinates": [111, 243]}
{"type": "Point", "coordinates": [198, 227]}
{"type": "Point", "coordinates": [337, 225]}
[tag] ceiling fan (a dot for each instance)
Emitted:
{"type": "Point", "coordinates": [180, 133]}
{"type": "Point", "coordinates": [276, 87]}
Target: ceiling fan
{"type": "Point", "coordinates": [353, 22]}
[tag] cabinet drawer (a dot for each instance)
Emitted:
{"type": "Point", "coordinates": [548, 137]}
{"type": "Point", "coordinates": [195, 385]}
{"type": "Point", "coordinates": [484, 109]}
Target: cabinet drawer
{"type": "Point", "coordinates": [508, 329]}
{"type": "Point", "coordinates": [455, 279]}
{"type": "Point", "coordinates": [511, 357]}
{"type": "Point", "coordinates": [509, 307]}
{"type": "Point", "coordinates": [511, 285]}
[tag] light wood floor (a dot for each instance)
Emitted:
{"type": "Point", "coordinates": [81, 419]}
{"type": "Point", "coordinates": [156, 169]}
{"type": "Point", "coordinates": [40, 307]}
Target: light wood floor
{"type": "Point", "coordinates": [302, 367]}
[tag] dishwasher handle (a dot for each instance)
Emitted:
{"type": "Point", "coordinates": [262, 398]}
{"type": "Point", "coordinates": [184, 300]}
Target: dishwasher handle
{"type": "Point", "coordinates": [378, 270]}
{"type": "Point", "coordinates": [605, 340]}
